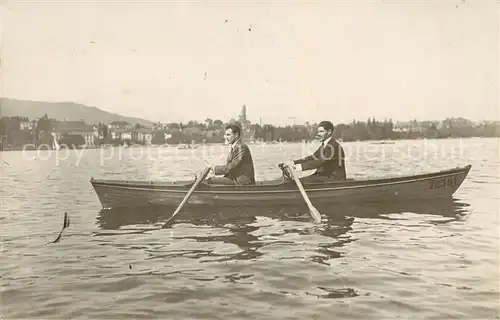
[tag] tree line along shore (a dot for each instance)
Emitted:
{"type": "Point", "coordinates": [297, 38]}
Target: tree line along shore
{"type": "Point", "coordinates": [17, 132]}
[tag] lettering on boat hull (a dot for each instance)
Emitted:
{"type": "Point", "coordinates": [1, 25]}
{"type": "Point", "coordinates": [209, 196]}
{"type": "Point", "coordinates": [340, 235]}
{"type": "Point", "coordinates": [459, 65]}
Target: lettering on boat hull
{"type": "Point", "coordinates": [448, 182]}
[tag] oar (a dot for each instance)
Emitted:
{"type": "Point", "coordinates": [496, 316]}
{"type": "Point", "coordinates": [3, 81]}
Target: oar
{"type": "Point", "coordinates": [186, 198]}
{"type": "Point", "coordinates": [314, 212]}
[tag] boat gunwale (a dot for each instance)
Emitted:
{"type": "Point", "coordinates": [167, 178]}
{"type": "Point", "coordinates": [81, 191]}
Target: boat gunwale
{"type": "Point", "coordinates": [290, 187]}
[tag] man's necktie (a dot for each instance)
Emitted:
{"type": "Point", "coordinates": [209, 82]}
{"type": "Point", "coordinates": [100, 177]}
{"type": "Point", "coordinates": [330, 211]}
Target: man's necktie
{"type": "Point", "coordinates": [230, 155]}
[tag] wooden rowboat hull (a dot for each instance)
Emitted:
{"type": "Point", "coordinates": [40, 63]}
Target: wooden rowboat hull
{"type": "Point", "coordinates": [435, 185]}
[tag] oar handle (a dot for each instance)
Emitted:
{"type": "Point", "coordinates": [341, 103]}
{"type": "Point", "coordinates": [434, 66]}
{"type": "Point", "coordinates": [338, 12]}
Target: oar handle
{"type": "Point", "coordinates": [284, 168]}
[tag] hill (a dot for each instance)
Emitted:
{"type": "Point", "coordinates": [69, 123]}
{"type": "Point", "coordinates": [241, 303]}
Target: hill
{"type": "Point", "coordinates": [61, 111]}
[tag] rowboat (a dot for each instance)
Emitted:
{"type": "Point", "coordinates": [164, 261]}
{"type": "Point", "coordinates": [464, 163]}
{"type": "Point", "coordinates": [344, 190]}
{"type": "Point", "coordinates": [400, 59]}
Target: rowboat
{"type": "Point", "coordinates": [130, 193]}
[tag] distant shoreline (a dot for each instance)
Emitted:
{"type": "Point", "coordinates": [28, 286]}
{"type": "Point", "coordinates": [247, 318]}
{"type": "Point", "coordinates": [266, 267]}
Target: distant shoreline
{"type": "Point", "coordinates": [375, 142]}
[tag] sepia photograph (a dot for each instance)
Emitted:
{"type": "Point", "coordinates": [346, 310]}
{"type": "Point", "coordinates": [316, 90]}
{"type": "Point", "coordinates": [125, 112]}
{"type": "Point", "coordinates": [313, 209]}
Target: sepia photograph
{"type": "Point", "coordinates": [250, 159]}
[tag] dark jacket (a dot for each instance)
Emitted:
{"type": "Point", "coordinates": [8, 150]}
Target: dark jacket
{"type": "Point", "coordinates": [239, 166]}
{"type": "Point", "coordinates": [328, 161]}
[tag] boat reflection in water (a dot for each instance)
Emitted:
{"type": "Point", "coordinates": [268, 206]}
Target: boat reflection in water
{"type": "Point", "coordinates": [240, 224]}
{"type": "Point", "coordinates": [154, 216]}
{"type": "Point", "coordinates": [275, 234]}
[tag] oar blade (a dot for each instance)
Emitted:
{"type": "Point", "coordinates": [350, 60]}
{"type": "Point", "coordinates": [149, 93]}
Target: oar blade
{"type": "Point", "coordinates": [315, 214]}
{"type": "Point", "coordinates": [312, 210]}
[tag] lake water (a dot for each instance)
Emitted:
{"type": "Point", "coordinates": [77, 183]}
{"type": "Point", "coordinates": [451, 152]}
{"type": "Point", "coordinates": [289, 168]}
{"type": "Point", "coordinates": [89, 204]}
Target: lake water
{"type": "Point", "coordinates": [421, 260]}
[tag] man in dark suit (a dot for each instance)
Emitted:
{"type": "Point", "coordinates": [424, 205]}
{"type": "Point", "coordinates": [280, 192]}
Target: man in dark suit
{"type": "Point", "coordinates": [328, 160]}
{"type": "Point", "coordinates": [238, 169]}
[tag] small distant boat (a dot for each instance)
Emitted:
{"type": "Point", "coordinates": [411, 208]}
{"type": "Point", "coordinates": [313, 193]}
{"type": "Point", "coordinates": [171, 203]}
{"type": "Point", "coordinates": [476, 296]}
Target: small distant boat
{"type": "Point", "coordinates": [188, 146]}
{"type": "Point", "coordinates": [124, 193]}
{"type": "Point", "coordinates": [383, 142]}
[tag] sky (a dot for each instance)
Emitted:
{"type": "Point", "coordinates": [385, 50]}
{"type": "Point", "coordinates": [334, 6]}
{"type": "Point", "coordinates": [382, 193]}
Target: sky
{"type": "Point", "coordinates": [287, 61]}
